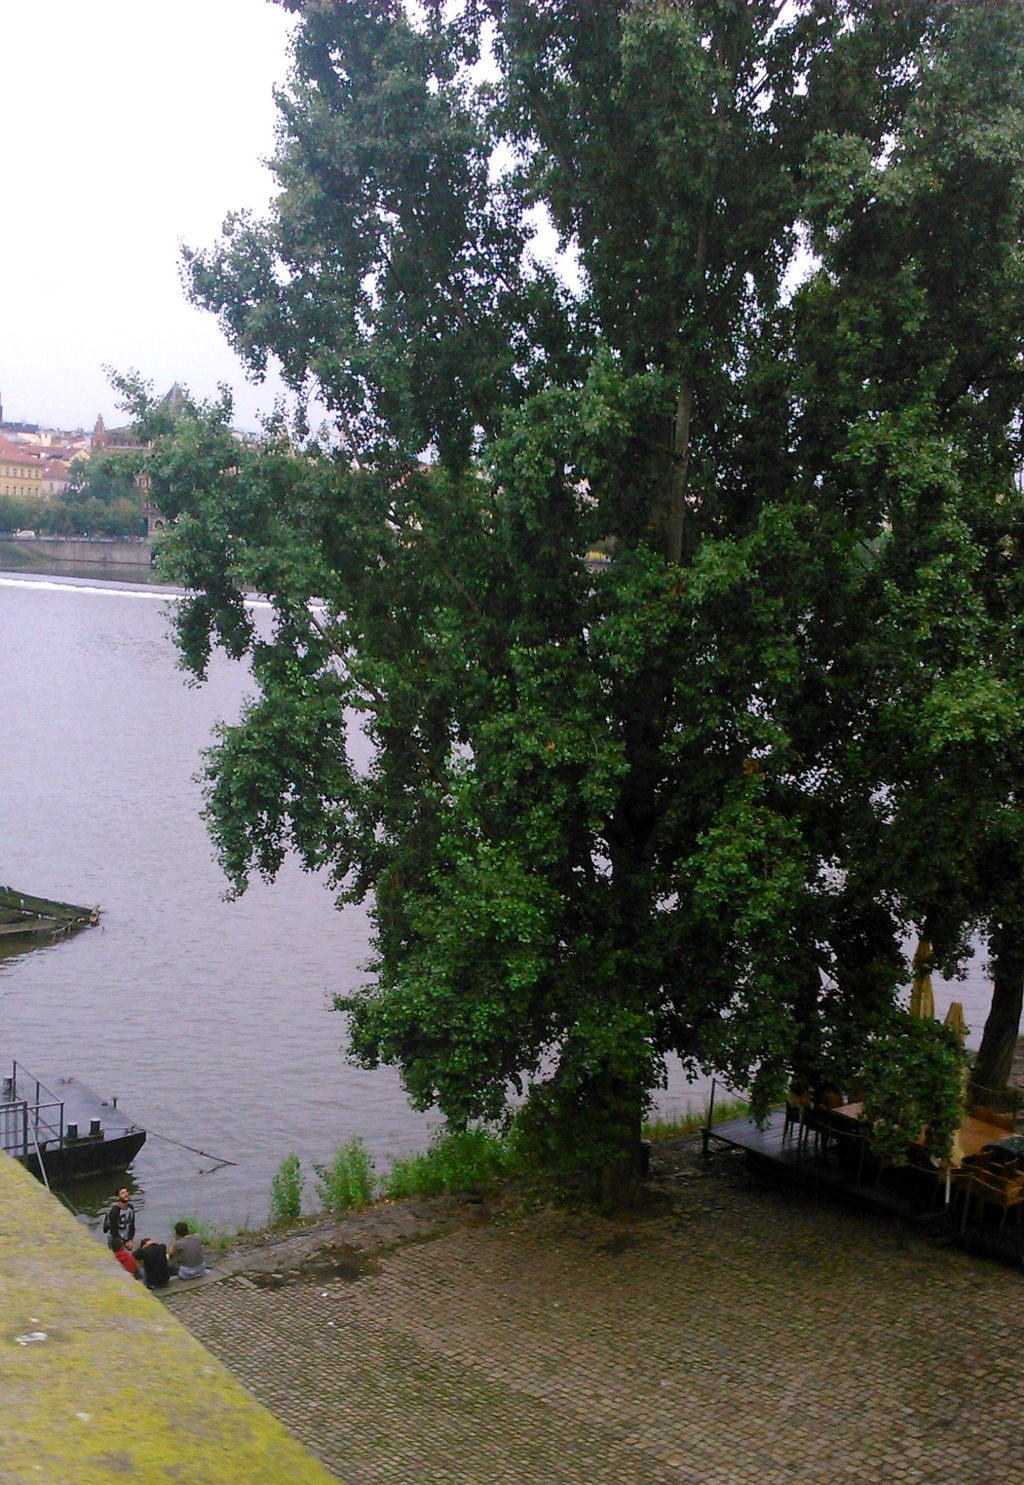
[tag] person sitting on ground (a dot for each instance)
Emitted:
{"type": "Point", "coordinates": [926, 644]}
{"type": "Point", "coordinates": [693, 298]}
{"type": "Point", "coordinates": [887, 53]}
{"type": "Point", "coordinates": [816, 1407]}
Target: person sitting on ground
{"type": "Point", "coordinates": [153, 1258]}
{"type": "Point", "coordinates": [187, 1251]}
{"type": "Point", "coordinates": [126, 1259]}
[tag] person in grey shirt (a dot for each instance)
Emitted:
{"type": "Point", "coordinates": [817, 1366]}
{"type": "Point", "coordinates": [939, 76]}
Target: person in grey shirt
{"type": "Point", "coordinates": [187, 1252]}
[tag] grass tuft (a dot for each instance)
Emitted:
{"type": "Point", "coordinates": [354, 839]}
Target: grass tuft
{"type": "Point", "coordinates": [671, 1128]}
{"type": "Point", "coordinates": [286, 1191]}
{"type": "Point", "coordinates": [348, 1182]}
{"type": "Point", "coordinates": [456, 1160]}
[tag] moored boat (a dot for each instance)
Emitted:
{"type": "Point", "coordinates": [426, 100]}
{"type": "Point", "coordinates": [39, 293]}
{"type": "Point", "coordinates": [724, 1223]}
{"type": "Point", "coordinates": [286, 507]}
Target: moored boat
{"type": "Point", "coordinates": [65, 1134]}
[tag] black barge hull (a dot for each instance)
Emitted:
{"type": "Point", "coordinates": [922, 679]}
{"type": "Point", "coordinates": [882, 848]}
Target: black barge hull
{"type": "Point", "coordinates": [87, 1157]}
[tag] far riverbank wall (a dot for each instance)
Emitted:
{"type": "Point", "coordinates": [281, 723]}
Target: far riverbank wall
{"type": "Point", "coordinates": [42, 553]}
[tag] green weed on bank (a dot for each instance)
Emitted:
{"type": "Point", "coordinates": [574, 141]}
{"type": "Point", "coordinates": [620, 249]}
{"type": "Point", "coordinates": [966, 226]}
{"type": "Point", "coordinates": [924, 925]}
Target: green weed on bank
{"type": "Point", "coordinates": [286, 1191]}
{"type": "Point", "coordinates": [676, 1125]}
{"type": "Point", "coordinates": [348, 1182]}
{"type": "Point", "coordinates": [455, 1161]}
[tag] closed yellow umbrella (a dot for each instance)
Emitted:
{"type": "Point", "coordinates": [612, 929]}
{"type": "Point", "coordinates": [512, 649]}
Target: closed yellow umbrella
{"type": "Point", "coordinates": [955, 1019]}
{"type": "Point", "coordinates": [922, 1002]}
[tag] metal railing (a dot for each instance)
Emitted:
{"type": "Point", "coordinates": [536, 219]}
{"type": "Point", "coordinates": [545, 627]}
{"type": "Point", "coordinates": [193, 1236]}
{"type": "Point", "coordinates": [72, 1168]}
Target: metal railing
{"type": "Point", "coordinates": [1006, 1100]}
{"type": "Point", "coordinates": [29, 1122]}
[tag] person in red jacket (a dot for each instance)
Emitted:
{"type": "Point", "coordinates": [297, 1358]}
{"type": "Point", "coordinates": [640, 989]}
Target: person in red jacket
{"type": "Point", "coordinates": [126, 1259]}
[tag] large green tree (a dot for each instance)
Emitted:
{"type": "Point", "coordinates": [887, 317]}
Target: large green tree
{"type": "Point", "coordinates": [912, 344]}
{"type": "Point", "coordinates": [607, 814]}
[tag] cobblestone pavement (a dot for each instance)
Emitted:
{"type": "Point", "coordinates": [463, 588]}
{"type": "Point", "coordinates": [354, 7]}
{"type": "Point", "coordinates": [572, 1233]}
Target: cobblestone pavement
{"type": "Point", "coordinates": [738, 1336]}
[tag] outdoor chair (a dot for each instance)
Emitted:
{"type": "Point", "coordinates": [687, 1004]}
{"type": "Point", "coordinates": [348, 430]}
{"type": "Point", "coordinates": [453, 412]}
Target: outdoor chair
{"type": "Point", "coordinates": [1000, 1158]}
{"type": "Point", "coordinates": [935, 1178]}
{"type": "Point", "coordinates": [796, 1111]}
{"type": "Point", "coordinates": [959, 1185]}
{"type": "Point", "coordinates": [830, 1129]}
{"type": "Point", "coordinates": [995, 1186]}
{"type": "Point", "coordinates": [870, 1167]}
{"type": "Point", "coordinates": [930, 1173]}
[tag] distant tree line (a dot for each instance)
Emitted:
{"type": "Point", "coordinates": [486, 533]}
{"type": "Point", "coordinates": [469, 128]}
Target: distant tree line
{"type": "Point", "coordinates": [104, 499]}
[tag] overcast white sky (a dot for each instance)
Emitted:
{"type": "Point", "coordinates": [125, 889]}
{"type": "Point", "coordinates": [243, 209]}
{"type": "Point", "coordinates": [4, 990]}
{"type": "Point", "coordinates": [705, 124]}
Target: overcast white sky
{"type": "Point", "coordinates": [128, 127]}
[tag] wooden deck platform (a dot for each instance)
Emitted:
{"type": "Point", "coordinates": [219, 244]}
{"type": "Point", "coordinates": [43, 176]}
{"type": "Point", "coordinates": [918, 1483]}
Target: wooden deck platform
{"type": "Point", "coordinates": [909, 1193]}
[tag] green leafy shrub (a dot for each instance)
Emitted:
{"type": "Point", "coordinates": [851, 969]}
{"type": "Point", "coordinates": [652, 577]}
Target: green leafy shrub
{"type": "Point", "coordinates": [347, 1183]}
{"type": "Point", "coordinates": [914, 1076]}
{"type": "Point", "coordinates": [286, 1191]}
{"type": "Point", "coordinates": [456, 1159]}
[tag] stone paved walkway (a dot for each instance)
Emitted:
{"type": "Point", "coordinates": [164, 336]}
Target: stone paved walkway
{"type": "Point", "coordinates": [741, 1336]}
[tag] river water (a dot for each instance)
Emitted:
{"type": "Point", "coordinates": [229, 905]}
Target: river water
{"type": "Point", "coordinates": [208, 1019]}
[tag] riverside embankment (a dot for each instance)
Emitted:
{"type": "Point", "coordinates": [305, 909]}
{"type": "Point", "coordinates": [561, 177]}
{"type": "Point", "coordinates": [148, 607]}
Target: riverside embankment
{"type": "Point", "coordinates": [731, 1335]}
{"type": "Point", "coordinates": [70, 555]}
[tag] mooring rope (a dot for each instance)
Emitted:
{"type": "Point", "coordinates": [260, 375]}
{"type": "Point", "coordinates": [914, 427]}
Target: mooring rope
{"type": "Point", "coordinates": [218, 1160]}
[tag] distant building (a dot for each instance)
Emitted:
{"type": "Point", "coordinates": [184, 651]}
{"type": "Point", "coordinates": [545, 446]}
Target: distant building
{"type": "Point", "coordinates": [123, 441]}
{"type": "Point", "coordinates": [115, 438]}
{"type": "Point", "coordinates": [21, 471]}
{"type": "Point", "coordinates": [56, 474]}
{"type": "Point", "coordinates": [38, 462]}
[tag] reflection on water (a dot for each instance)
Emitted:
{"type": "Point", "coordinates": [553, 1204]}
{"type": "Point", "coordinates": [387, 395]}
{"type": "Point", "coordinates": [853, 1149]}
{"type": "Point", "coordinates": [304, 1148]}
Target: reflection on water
{"type": "Point", "coordinates": [207, 1019]}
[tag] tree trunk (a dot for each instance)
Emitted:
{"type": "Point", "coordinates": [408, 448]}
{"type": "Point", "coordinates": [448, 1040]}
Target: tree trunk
{"type": "Point", "coordinates": [680, 470]}
{"type": "Point", "coordinates": [991, 1071]}
{"type": "Point", "coordinates": [622, 1179]}
{"type": "Point", "coordinates": [680, 475]}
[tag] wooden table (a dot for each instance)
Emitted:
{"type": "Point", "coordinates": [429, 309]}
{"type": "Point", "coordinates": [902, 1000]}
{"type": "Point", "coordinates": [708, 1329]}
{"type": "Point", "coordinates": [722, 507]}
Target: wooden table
{"type": "Point", "coordinates": [974, 1134]}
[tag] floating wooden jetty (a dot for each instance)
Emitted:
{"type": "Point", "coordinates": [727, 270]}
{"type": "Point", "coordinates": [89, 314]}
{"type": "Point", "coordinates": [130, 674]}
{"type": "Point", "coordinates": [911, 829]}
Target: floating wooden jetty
{"type": "Point", "coordinates": [26, 921]}
{"type": "Point", "coordinates": [64, 1133]}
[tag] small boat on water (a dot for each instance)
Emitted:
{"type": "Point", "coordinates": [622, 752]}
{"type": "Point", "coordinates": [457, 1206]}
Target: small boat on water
{"type": "Point", "coordinates": [28, 922]}
{"type": "Point", "coordinates": [66, 1133]}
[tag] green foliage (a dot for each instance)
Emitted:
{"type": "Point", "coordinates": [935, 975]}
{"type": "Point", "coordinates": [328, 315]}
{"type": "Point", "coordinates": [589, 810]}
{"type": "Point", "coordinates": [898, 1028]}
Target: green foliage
{"type": "Point", "coordinates": [914, 1074]}
{"type": "Point", "coordinates": [347, 1182]}
{"type": "Point", "coordinates": [286, 1191]}
{"type": "Point", "coordinates": [692, 802]}
{"type": "Point", "coordinates": [104, 498]}
{"type": "Point", "coordinates": [22, 513]}
{"type": "Point", "coordinates": [457, 1160]}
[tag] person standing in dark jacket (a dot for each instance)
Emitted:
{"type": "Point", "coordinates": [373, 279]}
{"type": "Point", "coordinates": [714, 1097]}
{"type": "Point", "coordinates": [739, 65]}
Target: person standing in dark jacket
{"type": "Point", "coordinates": [119, 1223]}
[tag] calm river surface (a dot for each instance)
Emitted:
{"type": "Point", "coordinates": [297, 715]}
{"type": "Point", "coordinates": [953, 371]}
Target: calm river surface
{"type": "Point", "coordinates": [209, 1020]}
